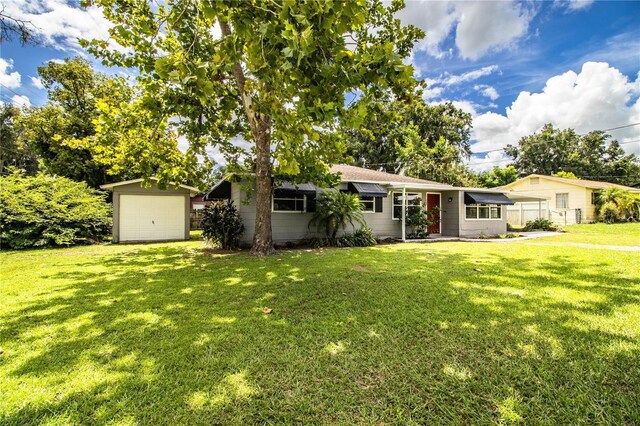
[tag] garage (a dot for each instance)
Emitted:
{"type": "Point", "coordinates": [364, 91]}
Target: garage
{"type": "Point", "coordinates": [143, 214]}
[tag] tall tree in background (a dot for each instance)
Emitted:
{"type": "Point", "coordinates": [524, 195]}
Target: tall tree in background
{"type": "Point", "coordinates": [424, 141]}
{"type": "Point", "coordinates": [498, 177]}
{"type": "Point", "coordinates": [592, 156]}
{"type": "Point", "coordinates": [63, 132]}
{"type": "Point", "coordinates": [272, 73]}
{"type": "Point", "coordinates": [15, 151]}
{"type": "Point", "coordinates": [74, 90]}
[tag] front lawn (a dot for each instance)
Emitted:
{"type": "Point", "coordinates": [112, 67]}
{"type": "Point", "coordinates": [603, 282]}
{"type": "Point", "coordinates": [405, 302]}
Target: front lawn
{"type": "Point", "coordinates": [460, 333]}
{"type": "Point", "coordinates": [617, 234]}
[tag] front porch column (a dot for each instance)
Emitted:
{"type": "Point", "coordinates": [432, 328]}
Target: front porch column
{"type": "Point", "coordinates": [404, 212]}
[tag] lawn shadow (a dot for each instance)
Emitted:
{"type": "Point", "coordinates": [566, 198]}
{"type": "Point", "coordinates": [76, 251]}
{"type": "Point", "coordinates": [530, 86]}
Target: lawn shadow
{"type": "Point", "coordinates": [166, 335]}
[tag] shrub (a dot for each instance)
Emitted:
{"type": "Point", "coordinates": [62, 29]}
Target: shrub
{"type": "Point", "coordinates": [362, 237]}
{"type": "Point", "coordinates": [541, 224]}
{"type": "Point", "coordinates": [609, 212]}
{"type": "Point", "coordinates": [222, 225]}
{"type": "Point", "coordinates": [334, 210]}
{"type": "Point", "coordinates": [42, 210]}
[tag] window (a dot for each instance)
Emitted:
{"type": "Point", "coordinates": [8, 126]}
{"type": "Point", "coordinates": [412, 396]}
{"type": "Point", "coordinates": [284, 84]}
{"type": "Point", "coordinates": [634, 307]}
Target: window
{"type": "Point", "coordinates": [414, 200]}
{"type": "Point", "coordinates": [483, 211]}
{"type": "Point", "coordinates": [562, 200]}
{"type": "Point", "coordinates": [534, 181]}
{"type": "Point", "coordinates": [368, 203]}
{"type": "Point", "coordinates": [594, 197]}
{"type": "Point", "coordinates": [289, 203]}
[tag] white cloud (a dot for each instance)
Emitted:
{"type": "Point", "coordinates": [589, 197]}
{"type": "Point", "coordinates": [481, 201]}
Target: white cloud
{"type": "Point", "coordinates": [432, 92]}
{"type": "Point", "coordinates": [449, 80]}
{"type": "Point", "coordinates": [489, 161]}
{"type": "Point", "coordinates": [37, 83]}
{"type": "Point", "coordinates": [488, 91]}
{"type": "Point", "coordinates": [59, 23]}
{"type": "Point", "coordinates": [479, 26]}
{"type": "Point", "coordinates": [599, 97]}
{"type": "Point", "coordinates": [574, 5]}
{"type": "Point", "coordinates": [20, 101]}
{"type": "Point", "coordinates": [435, 85]}
{"type": "Point", "coordinates": [7, 79]}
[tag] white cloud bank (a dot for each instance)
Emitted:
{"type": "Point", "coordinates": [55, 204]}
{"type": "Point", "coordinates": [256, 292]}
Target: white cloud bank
{"type": "Point", "coordinates": [599, 97]}
{"type": "Point", "coordinates": [10, 80]}
{"type": "Point", "coordinates": [20, 101]}
{"type": "Point", "coordinates": [59, 23]}
{"type": "Point", "coordinates": [479, 26]}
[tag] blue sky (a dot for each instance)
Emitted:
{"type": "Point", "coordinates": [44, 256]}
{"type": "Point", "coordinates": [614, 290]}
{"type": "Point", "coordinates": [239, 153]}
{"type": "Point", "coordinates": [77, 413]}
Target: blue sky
{"type": "Point", "coordinates": [513, 65]}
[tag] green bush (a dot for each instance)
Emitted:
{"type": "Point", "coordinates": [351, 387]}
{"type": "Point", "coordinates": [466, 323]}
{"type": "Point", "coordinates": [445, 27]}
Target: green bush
{"type": "Point", "coordinates": [41, 211]}
{"type": "Point", "coordinates": [541, 224]}
{"type": "Point", "coordinates": [334, 210]}
{"type": "Point", "coordinates": [609, 212]}
{"type": "Point", "coordinates": [222, 226]}
{"type": "Point", "coordinates": [362, 237]}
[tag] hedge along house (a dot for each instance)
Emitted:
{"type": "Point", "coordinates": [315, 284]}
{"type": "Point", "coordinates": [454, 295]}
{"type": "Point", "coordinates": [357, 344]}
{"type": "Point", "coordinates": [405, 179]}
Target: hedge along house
{"type": "Point", "coordinates": [464, 212]}
{"type": "Point", "coordinates": [142, 214]}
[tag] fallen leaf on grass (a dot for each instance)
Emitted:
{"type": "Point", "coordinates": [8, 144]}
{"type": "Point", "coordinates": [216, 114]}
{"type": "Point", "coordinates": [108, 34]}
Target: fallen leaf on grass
{"type": "Point", "coordinates": [267, 310]}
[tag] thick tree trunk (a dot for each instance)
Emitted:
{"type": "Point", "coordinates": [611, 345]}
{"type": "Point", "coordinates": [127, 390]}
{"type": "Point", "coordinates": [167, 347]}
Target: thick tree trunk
{"type": "Point", "coordinates": [260, 125]}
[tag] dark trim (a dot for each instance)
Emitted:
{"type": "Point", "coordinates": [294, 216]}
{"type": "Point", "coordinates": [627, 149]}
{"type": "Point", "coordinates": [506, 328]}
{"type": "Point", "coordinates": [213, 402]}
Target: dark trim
{"type": "Point", "coordinates": [219, 192]}
{"type": "Point", "coordinates": [367, 189]}
{"type": "Point", "coordinates": [487, 198]}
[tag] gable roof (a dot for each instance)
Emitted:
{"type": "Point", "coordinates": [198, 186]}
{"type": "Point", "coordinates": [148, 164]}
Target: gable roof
{"type": "Point", "coordinates": [359, 174]}
{"type": "Point", "coordinates": [591, 184]}
{"type": "Point", "coordinates": [110, 186]}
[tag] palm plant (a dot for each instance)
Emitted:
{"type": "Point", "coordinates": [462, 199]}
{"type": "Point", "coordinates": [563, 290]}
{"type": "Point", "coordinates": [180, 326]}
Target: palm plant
{"type": "Point", "coordinates": [612, 203]}
{"type": "Point", "coordinates": [335, 210]}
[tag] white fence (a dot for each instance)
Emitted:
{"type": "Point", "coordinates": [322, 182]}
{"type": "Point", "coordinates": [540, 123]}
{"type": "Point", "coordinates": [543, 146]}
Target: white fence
{"type": "Point", "coordinates": [521, 213]}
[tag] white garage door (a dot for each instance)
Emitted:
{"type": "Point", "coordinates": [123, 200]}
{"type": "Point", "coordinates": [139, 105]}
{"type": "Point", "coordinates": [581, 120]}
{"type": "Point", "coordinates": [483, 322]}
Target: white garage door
{"type": "Point", "coordinates": [151, 217]}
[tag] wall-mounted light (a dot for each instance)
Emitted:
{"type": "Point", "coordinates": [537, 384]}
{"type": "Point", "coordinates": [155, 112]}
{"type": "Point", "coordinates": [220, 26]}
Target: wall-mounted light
{"type": "Point", "coordinates": [450, 199]}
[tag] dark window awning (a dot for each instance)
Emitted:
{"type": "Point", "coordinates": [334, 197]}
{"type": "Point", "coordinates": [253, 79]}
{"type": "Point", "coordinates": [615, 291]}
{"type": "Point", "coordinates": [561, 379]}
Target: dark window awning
{"type": "Point", "coordinates": [486, 198]}
{"type": "Point", "coordinates": [222, 191]}
{"type": "Point", "coordinates": [367, 189]}
{"type": "Point", "coordinates": [288, 188]}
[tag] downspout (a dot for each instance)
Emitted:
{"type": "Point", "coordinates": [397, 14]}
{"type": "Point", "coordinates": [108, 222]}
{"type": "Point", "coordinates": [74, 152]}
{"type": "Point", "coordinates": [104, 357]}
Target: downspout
{"type": "Point", "coordinates": [404, 212]}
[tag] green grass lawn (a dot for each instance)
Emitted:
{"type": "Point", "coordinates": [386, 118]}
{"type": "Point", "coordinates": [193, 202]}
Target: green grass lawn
{"type": "Point", "coordinates": [459, 333]}
{"type": "Point", "coordinates": [618, 234]}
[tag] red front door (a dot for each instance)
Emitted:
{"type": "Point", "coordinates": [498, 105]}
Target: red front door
{"type": "Point", "coordinates": [433, 200]}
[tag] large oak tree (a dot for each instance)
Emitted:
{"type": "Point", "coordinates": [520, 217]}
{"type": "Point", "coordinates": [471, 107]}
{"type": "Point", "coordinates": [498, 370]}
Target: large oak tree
{"type": "Point", "coordinates": [274, 73]}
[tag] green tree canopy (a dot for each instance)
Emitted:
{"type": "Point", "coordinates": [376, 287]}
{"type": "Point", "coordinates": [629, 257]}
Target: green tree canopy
{"type": "Point", "coordinates": [64, 133]}
{"type": "Point", "coordinates": [15, 151]}
{"type": "Point", "coordinates": [272, 73]}
{"type": "Point", "coordinates": [498, 177]}
{"type": "Point", "coordinates": [592, 156]}
{"type": "Point", "coordinates": [425, 141]}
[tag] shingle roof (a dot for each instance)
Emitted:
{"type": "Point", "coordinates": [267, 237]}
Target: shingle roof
{"type": "Point", "coordinates": [593, 184]}
{"type": "Point", "coordinates": [358, 174]}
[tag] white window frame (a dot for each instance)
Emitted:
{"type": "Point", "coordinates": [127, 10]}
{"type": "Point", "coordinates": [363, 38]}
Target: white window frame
{"type": "Point", "coordinates": [477, 207]}
{"type": "Point", "coordinates": [372, 201]}
{"type": "Point", "coordinates": [394, 205]}
{"type": "Point", "coordinates": [566, 207]}
{"type": "Point", "coordinates": [273, 204]}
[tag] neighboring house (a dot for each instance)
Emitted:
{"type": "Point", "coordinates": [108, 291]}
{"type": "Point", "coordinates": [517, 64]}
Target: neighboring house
{"type": "Point", "coordinates": [149, 213]}
{"type": "Point", "coordinates": [465, 212]}
{"type": "Point", "coordinates": [198, 204]}
{"type": "Point", "coordinates": [570, 200]}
